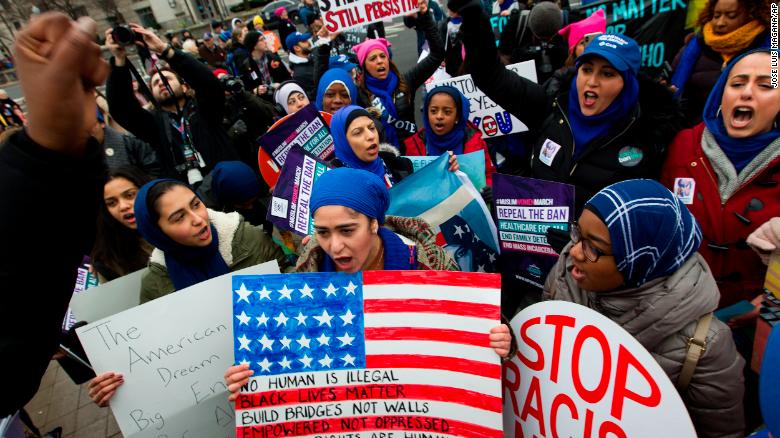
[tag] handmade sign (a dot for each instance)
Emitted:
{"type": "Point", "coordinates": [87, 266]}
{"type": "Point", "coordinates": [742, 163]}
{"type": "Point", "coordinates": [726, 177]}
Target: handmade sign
{"type": "Point", "coordinates": [290, 202]}
{"type": "Point", "coordinates": [525, 208]}
{"type": "Point", "coordinates": [108, 298]}
{"type": "Point", "coordinates": [388, 354]}
{"type": "Point", "coordinates": [338, 15]}
{"type": "Point", "coordinates": [772, 280]}
{"type": "Point", "coordinates": [658, 26]}
{"type": "Point", "coordinates": [491, 119]}
{"type": "Point", "coordinates": [84, 280]}
{"type": "Point", "coordinates": [449, 203]}
{"type": "Point", "coordinates": [579, 374]}
{"type": "Point", "coordinates": [472, 164]}
{"type": "Point", "coordinates": [173, 353]}
{"type": "Point", "coordinates": [356, 35]}
{"type": "Point", "coordinates": [306, 129]}
{"type": "Point", "coordinates": [272, 40]}
{"type": "Point", "coordinates": [498, 23]}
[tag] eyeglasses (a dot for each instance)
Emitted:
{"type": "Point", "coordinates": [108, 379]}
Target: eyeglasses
{"type": "Point", "coordinates": [592, 254]}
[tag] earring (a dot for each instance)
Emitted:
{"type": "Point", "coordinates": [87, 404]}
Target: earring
{"type": "Point", "coordinates": [717, 114]}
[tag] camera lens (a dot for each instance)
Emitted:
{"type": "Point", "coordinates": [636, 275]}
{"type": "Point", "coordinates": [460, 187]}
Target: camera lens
{"type": "Point", "coordinates": [123, 35]}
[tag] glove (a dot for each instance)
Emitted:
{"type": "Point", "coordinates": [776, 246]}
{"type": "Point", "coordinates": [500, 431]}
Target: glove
{"type": "Point", "coordinates": [487, 195]}
{"type": "Point", "coordinates": [766, 239]}
{"type": "Point", "coordinates": [238, 129]}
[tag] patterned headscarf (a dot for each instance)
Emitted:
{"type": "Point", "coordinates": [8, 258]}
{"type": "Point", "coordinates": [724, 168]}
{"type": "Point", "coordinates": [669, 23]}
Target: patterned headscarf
{"type": "Point", "coordinates": [653, 234]}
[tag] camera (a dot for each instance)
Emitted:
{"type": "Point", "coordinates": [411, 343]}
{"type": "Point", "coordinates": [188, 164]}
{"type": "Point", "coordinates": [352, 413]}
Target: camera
{"type": "Point", "coordinates": [232, 84]}
{"type": "Point", "coordinates": [124, 35]}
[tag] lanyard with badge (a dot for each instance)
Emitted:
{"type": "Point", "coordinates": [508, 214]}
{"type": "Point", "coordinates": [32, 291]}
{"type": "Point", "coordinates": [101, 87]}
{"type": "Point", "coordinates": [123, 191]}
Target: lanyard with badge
{"type": "Point", "coordinates": [193, 161]}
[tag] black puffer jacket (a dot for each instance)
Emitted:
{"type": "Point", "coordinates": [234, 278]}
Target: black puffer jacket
{"type": "Point", "coordinates": [414, 78]}
{"type": "Point", "coordinates": [635, 148]}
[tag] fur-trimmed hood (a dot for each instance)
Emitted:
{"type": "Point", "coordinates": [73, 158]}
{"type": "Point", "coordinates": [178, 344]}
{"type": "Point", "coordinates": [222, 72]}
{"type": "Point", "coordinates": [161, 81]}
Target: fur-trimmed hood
{"type": "Point", "coordinates": [226, 225]}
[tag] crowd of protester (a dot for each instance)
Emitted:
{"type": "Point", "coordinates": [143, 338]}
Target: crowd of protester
{"type": "Point", "coordinates": [677, 188]}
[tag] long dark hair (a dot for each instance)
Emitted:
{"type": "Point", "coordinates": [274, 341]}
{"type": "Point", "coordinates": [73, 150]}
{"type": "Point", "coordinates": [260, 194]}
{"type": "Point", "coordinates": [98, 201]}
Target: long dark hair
{"type": "Point", "coordinates": [119, 250]}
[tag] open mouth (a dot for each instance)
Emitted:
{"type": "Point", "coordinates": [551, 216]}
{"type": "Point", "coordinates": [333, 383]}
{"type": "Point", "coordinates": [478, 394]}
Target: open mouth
{"type": "Point", "coordinates": [381, 69]}
{"type": "Point", "coordinates": [742, 116]}
{"type": "Point", "coordinates": [129, 218]}
{"type": "Point", "coordinates": [438, 127]}
{"type": "Point", "coordinates": [577, 274]}
{"type": "Point", "coordinates": [373, 148]}
{"type": "Point", "coordinates": [204, 234]}
{"type": "Point", "coordinates": [589, 98]}
{"type": "Point", "coordinates": [343, 261]}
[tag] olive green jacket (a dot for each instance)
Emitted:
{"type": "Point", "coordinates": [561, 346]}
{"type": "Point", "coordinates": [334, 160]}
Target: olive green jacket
{"type": "Point", "coordinates": [240, 243]}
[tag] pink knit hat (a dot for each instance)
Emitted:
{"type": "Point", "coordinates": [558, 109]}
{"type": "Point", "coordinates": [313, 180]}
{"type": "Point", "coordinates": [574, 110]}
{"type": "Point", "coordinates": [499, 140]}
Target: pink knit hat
{"type": "Point", "coordinates": [279, 11]}
{"type": "Point", "coordinates": [363, 49]}
{"type": "Point", "coordinates": [597, 22]}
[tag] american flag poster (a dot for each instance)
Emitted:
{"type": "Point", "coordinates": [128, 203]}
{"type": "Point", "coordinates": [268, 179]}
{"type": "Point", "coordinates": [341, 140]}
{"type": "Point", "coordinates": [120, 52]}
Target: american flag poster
{"type": "Point", "coordinates": [391, 354]}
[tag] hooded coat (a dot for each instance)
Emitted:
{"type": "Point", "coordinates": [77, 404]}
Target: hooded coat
{"type": "Point", "coordinates": [241, 245]}
{"type": "Point", "coordinates": [662, 315]}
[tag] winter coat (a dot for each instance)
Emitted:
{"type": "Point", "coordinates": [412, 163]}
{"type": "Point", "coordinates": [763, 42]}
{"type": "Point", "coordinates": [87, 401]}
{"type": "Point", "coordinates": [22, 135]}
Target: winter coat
{"type": "Point", "coordinates": [634, 148]}
{"type": "Point", "coordinates": [253, 78]}
{"type": "Point", "coordinates": [127, 150]}
{"type": "Point", "coordinates": [204, 115]}
{"type": "Point", "coordinates": [410, 229]}
{"type": "Point", "coordinates": [303, 73]}
{"type": "Point", "coordinates": [414, 78]}
{"type": "Point", "coordinates": [415, 147]}
{"type": "Point", "coordinates": [39, 260]}
{"type": "Point", "coordinates": [705, 73]}
{"type": "Point", "coordinates": [215, 56]}
{"type": "Point", "coordinates": [398, 166]}
{"type": "Point", "coordinates": [240, 244]}
{"type": "Point", "coordinates": [286, 27]}
{"type": "Point", "coordinates": [727, 221]}
{"type": "Point", "coordinates": [662, 315]}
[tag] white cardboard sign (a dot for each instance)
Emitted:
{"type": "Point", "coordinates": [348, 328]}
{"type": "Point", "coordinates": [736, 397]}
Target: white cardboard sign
{"type": "Point", "coordinates": [491, 119]}
{"type": "Point", "coordinates": [579, 374]}
{"type": "Point", "coordinates": [173, 353]}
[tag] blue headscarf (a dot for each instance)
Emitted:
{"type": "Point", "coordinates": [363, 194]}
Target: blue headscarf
{"type": "Point", "coordinates": [587, 128]}
{"type": "Point", "coordinates": [384, 89]}
{"type": "Point", "coordinates": [634, 211]}
{"type": "Point", "coordinates": [234, 182]}
{"type": "Point", "coordinates": [436, 145]}
{"type": "Point", "coordinates": [186, 265]}
{"type": "Point", "coordinates": [344, 152]}
{"type": "Point", "coordinates": [740, 151]}
{"type": "Point", "coordinates": [335, 75]}
{"type": "Point", "coordinates": [365, 193]}
{"type": "Point", "coordinates": [507, 3]}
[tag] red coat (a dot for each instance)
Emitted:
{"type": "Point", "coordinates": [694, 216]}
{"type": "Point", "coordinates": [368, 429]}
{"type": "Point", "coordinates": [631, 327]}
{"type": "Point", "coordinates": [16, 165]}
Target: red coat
{"type": "Point", "coordinates": [738, 270]}
{"type": "Point", "coordinates": [415, 147]}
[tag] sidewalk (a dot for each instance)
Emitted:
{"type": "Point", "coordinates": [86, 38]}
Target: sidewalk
{"type": "Point", "coordinates": [60, 402]}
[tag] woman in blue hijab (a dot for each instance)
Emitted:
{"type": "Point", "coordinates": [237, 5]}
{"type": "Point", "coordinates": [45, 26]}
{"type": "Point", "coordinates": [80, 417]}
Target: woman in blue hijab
{"type": "Point", "coordinates": [353, 234]}
{"type": "Point", "coordinates": [335, 90]}
{"type": "Point", "coordinates": [447, 128]}
{"type": "Point", "coordinates": [606, 123]}
{"type": "Point", "coordinates": [725, 171]}
{"type": "Point", "coordinates": [659, 289]}
{"type": "Point", "coordinates": [192, 244]}
{"type": "Point", "coordinates": [357, 144]}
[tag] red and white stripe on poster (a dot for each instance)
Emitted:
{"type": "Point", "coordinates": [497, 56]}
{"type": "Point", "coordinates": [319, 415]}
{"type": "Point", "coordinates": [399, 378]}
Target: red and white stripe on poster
{"type": "Point", "coordinates": [427, 367]}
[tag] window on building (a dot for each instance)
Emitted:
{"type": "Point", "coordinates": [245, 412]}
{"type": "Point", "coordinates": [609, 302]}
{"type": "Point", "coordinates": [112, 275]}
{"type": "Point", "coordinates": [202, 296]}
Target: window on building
{"type": "Point", "coordinates": [146, 17]}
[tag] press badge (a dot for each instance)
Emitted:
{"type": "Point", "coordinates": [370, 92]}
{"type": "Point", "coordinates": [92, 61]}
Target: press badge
{"type": "Point", "coordinates": [254, 75]}
{"type": "Point", "coordinates": [684, 189]}
{"type": "Point", "coordinates": [549, 151]}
